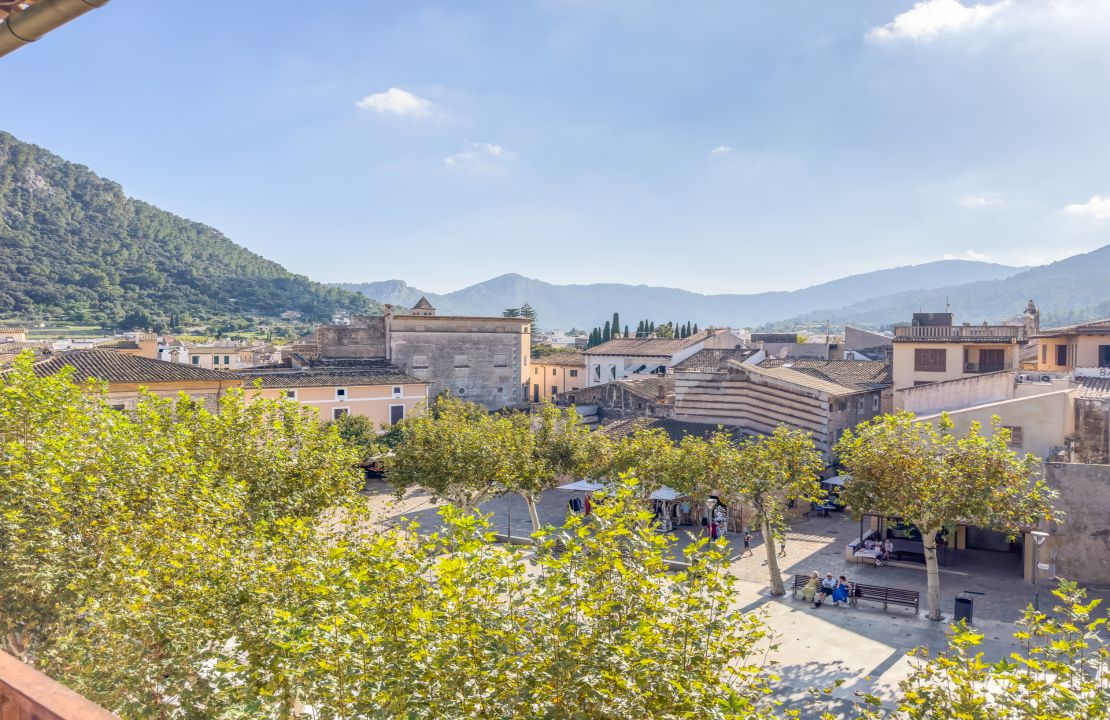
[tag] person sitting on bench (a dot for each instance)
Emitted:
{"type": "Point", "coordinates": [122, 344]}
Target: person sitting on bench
{"type": "Point", "coordinates": [828, 585]}
{"type": "Point", "coordinates": [809, 592]}
{"type": "Point", "coordinates": [841, 591]}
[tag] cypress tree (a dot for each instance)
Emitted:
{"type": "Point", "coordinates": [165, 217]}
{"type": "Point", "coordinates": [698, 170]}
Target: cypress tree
{"type": "Point", "coordinates": [616, 324]}
{"type": "Point", "coordinates": [651, 328]}
{"type": "Point", "coordinates": [695, 328]}
{"type": "Point", "coordinates": [640, 329]}
{"type": "Point", "coordinates": [606, 334]}
{"type": "Point", "coordinates": [626, 331]}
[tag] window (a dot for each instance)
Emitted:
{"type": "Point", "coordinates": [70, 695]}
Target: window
{"type": "Point", "coordinates": [500, 360]}
{"type": "Point", "coordinates": [396, 391]}
{"type": "Point", "coordinates": [462, 391]}
{"type": "Point", "coordinates": [1044, 354]}
{"type": "Point", "coordinates": [215, 359]}
{"type": "Point", "coordinates": [290, 394]}
{"type": "Point", "coordinates": [119, 406]}
{"type": "Point", "coordinates": [574, 373]}
{"type": "Point", "coordinates": [227, 359]}
{"type": "Point", "coordinates": [500, 388]}
{"type": "Point", "coordinates": [341, 393]}
{"type": "Point", "coordinates": [339, 412]}
{"type": "Point", "coordinates": [420, 361]}
{"type": "Point", "coordinates": [1104, 355]}
{"type": "Point", "coordinates": [841, 405]}
{"type": "Point", "coordinates": [553, 371]}
{"type": "Point", "coordinates": [859, 405]}
{"type": "Point", "coordinates": [1062, 355]}
{"type": "Point", "coordinates": [597, 372]}
{"type": "Point", "coordinates": [1016, 439]}
{"type": "Point", "coordinates": [536, 371]}
{"type": "Point", "coordinates": [461, 361]}
{"type": "Point", "coordinates": [196, 359]}
{"type": "Point", "coordinates": [930, 360]}
{"type": "Point", "coordinates": [396, 414]}
{"type": "Point", "coordinates": [554, 390]}
{"type": "Point", "coordinates": [875, 403]}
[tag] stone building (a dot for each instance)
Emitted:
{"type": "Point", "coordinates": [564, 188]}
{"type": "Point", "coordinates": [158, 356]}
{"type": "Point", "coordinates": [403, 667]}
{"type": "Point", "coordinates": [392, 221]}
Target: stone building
{"type": "Point", "coordinates": [625, 357]}
{"type": "Point", "coordinates": [649, 396]}
{"type": "Point", "coordinates": [480, 359]}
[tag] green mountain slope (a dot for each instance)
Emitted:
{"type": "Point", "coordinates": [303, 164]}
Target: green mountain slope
{"type": "Point", "coordinates": [73, 246]}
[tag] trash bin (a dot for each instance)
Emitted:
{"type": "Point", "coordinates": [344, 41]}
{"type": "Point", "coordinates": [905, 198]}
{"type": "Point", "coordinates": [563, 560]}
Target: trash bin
{"type": "Point", "coordinates": [964, 607]}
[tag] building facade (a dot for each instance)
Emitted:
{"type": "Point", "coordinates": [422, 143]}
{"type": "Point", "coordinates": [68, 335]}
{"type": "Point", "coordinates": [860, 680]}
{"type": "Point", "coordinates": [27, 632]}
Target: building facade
{"type": "Point", "coordinates": [625, 357]}
{"type": "Point", "coordinates": [557, 373]}
{"type": "Point", "coordinates": [382, 394]}
{"type": "Point", "coordinates": [1086, 345]}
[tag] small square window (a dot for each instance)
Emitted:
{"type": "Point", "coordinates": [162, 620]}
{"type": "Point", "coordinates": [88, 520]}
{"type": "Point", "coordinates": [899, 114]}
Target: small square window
{"type": "Point", "coordinates": [291, 394]}
{"type": "Point", "coordinates": [196, 359]}
{"type": "Point", "coordinates": [341, 393]}
{"type": "Point", "coordinates": [339, 412]}
{"type": "Point", "coordinates": [420, 361]}
{"type": "Point", "coordinates": [536, 371]}
{"type": "Point", "coordinates": [553, 371]}
{"type": "Point", "coordinates": [574, 373]}
{"type": "Point", "coordinates": [1016, 439]}
{"type": "Point", "coordinates": [500, 360]}
{"type": "Point", "coordinates": [227, 359]}
{"type": "Point", "coordinates": [397, 391]}
{"type": "Point", "coordinates": [215, 359]}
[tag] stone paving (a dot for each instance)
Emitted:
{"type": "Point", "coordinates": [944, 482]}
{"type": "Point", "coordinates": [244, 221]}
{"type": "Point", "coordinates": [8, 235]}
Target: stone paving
{"type": "Point", "coordinates": [865, 647]}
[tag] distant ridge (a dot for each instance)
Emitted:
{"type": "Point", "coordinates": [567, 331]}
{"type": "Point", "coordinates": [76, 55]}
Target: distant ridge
{"type": "Point", "coordinates": [584, 306]}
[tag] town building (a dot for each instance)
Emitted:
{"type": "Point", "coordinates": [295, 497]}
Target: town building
{"type": "Point", "coordinates": [869, 344]}
{"type": "Point", "coordinates": [378, 391]}
{"type": "Point", "coordinates": [13, 334]}
{"type": "Point", "coordinates": [933, 349]}
{"type": "Point", "coordinates": [480, 359]}
{"type": "Point", "coordinates": [556, 373]}
{"type": "Point", "coordinates": [1075, 347]}
{"type": "Point", "coordinates": [127, 375]}
{"type": "Point", "coordinates": [644, 396]}
{"type": "Point", "coordinates": [758, 394]}
{"type": "Point", "coordinates": [624, 357]}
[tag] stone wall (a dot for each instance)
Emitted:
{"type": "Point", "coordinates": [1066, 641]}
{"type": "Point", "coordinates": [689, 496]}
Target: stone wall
{"type": "Point", "coordinates": [956, 394]}
{"type": "Point", "coordinates": [1092, 431]}
{"type": "Point", "coordinates": [1080, 546]}
{"type": "Point", "coordinates": [365, 337]}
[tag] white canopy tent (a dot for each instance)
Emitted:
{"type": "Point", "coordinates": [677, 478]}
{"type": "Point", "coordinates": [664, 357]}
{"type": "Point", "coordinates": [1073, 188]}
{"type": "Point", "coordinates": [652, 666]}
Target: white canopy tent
{"type": "Point", "coordinates": [665, 495]}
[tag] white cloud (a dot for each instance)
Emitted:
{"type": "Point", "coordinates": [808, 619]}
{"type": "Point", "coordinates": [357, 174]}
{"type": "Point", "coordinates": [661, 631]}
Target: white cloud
{"type": "Point", "coordinates": [720, 150]}
{"type": "Point", "coordinates": [980, 201]}
{"type": "Point", "coordinates": [929, 19]}
{"type": "Point", "coordinates": [396, 101]}
{"type": "Point", "coordinates": [477, 153]}
{"type": "Point", "coordinates": [1098, 207]}
{"type": "Point", "coordinates": [968, 255]}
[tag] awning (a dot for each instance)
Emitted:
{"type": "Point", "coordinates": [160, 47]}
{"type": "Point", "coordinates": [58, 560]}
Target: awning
{"type": "Point", "coordinates": [837, 480]}
{"type": "Point", "coordinates": [664, 493]}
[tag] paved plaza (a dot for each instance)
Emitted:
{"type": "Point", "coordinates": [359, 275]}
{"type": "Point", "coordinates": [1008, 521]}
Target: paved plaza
{"type": "Point", "coordinates": [865, 646]}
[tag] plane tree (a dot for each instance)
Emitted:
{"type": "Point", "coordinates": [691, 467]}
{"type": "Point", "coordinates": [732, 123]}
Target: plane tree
{"type": "Point", "coordinates": [929, 476]}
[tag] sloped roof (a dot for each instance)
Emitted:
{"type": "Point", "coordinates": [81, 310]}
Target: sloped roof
{"type": "Point", "coordinates": [1095, 327]}
{"type": "Point", "coordinates": [648, 387]}
{"type": "Point", "coordinates": [713, 359]}
{"type": "Point", "coordinates": [856, 375]}
{"type": "Point", "coordinates": [118, 344]}
{"type": "Point", "coordinates": [646, 347]}
{"type": "Point", "coordinates": [675, 429]}
{"type": "Point", "coordinates": [116, 367]}
{"type": "Point", "coordinates": [327, 378]}
{"type": "Point", "coordinates": [1092, 388]}
{"type": "Point", "coordinates": [423, 304]}
{"type": "Point", "coordinates": [803, 380]}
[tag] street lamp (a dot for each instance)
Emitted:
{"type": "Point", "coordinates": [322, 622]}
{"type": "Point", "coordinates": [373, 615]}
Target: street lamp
{"type": "Point", "coordinates": [1039, 536]}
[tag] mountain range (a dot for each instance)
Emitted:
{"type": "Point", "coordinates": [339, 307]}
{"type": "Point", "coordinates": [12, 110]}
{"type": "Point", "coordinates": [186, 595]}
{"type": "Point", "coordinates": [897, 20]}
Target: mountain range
{"type": "Point", "coordinates": [584, 306]}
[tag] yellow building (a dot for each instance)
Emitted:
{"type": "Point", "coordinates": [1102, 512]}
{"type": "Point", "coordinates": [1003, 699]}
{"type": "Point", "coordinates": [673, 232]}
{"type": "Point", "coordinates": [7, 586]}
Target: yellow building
{"type": "Point", "coordinates": [932, 349]}
{"type": "Point", "coordinates": [384, 395]}
{"type": "Point", "coordinates": [13, 334]}
{"type": "Point", "coordinates": [127, 375]}
{"type": "Point", "coordinates": [1086, 345]}
{"type": "Point", "coordinates": [556, 373]}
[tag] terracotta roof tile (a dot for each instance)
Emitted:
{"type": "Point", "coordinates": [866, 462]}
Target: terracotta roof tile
{"type": "Point", "coordinates": [1095, 327]}
{"type": "Point", "coordinates": [647, 347]}
{"type": "Point", "coordinates": [561, 358]}
{"type": "Point", "coordinates": [282, 379]}
{"type": "Point", "coordinates": [856, 375]}
{"type": "Point", "coordinates": [1092, 388]}
{"type": "Point", "coordinates": [713, 360]}
{"type": "Point", "coordinates": [115, 367]}
{"type": "Point", "coordinates": [675, 429]}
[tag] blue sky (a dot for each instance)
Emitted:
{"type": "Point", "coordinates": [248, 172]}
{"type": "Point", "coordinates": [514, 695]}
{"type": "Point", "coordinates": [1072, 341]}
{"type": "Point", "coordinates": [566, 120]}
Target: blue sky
{"type": "Point", "coordinates": [716, 146]}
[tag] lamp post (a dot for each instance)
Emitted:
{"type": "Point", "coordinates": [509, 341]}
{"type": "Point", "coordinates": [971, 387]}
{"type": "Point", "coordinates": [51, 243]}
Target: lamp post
{"type": "Point", "coordinates": [1039, 536]}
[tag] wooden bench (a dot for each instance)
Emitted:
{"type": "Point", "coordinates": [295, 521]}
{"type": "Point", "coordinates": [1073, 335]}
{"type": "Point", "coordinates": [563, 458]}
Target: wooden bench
{"type": "Point", "coordinates": [800, 582]}
{"type": "Point", "coordinates": [886, 595]}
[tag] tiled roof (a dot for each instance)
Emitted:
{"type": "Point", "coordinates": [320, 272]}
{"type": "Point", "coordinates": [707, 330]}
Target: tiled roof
{"type": "Point", "coordinates": [1092, 388]}
{"type": "Point", "coordinates": [12, 330]}
{"type": "Point", "coordinates": [646, 347]}
{"type": "Point", "coordinates": [856, 375]}
{"type": "Point", "coordinates": [561, 358]}
{"type": "Point", "coordinates": [326, 378]}
{"type": "Point", "coordinates": [116, 367]}
{"type": "Point", "coordinates": [9, 351]}
{"type": "Point", "coordinates": [675, 429]}
{"type": "Point", "coordinates": [713, 360]}
{"type": "Point", "coordinates": [803, 380]}
{"type": "Point", "coordinates": [118, 344]}
{"type": "Point", "coordinates": [1095, 327]}
{"type": "Point", "coordinates": [648, 387]}
{"type": "Point", "coordinates": [423, 304]}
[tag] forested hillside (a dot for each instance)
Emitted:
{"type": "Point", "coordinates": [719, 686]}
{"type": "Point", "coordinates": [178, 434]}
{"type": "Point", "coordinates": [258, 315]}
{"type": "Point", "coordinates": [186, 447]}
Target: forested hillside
{"type": "Point", "coordinates": [73, 246]}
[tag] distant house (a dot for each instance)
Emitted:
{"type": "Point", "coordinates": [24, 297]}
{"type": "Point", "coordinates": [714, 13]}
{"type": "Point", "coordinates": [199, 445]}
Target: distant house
{"type": "Point", "coordinates": [646, 396]}
{"type": "Point", "coordinates": [556, 373]}
{"type": "Point", "coordinates": [624, 357]}
{"type": "Point", "coordinates": [379, 392]}
{"type": "Point", "coordinates": [143, 344]}
{"type": "Point", "coordinates": [1082, 346]}
{"type": "Point", "coordinates": [126, 375]}
{"type": "Point", "coordinates": [13, 334]}
{"type": "Point", "coordinates": [933, 349]}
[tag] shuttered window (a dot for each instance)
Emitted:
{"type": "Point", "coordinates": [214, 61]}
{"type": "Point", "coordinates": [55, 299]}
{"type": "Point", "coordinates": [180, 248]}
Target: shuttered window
{"type": "Point", "coordinates": [930, 359]}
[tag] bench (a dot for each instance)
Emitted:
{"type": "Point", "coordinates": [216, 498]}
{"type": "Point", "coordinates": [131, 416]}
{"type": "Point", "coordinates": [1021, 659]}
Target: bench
{"type": "Point", "coordinates": [886, 595]}
{"type": "Point", "coordinates": [800, 582]}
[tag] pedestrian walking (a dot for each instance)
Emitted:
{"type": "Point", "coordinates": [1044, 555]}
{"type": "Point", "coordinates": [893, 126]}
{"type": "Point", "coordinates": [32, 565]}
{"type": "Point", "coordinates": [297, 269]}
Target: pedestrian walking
{"type": "Point", "coordinates": [782, 546]}
{"type": "Point", "coordinates": [747, 544]}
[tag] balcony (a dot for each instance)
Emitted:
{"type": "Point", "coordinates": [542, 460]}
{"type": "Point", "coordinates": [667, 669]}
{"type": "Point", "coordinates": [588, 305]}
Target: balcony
{"type": "Point", "coordinates": [27, 694]}
{"type": "Point", "coordinates": [959, 333]}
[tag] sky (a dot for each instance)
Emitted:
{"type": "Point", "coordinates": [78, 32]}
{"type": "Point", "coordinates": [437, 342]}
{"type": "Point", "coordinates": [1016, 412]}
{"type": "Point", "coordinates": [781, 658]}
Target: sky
{"type": "Point", "coordinates": [717, 146]}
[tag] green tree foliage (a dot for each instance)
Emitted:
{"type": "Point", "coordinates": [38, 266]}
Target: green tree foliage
{"type": "Point", "coordinates": [1060, 673]}
{"type": "Point", "coordinates": [359, 432]}
{"type": "Point", "coordinates": [527, 312]}
{"type": "Point", "coordinates": [607, 332]}
{"type": "Point", "coordinates": [929, 476]}
{"type": "Point", "coordinates": [73, 246]}
{"type": "Point", "coordinates": [616, 325]}
{"type": "Point", "coordinates": [769, 472]}
{"type": "Point", "coordinates": [510, 312]}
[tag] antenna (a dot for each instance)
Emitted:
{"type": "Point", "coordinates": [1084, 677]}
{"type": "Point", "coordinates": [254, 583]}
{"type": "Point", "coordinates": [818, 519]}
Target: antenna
{"type": "Point", "coordinates": [947, 305]}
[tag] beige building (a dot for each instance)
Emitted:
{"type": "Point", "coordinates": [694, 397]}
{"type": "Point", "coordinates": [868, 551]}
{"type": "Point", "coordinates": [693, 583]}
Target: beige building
{"type": "Point", "coordinates": [143, 345]}
{"type": "Point", "coordinates": [1086, 345]}
{"type": "Point", "coordinates": [932, 349]}
{"type": "Point", "coordinates": [382, 394]}
{"type": "Point", "coordinates": [480, 359]}
{"type": "Point", "coordinates": [625, 357]}
{"type": "Point", "coordinates": [556, 373]}
{"type": "Point", "coordinates": [127, 375]}
{"type": "Point", "coordinates": [13, 334]}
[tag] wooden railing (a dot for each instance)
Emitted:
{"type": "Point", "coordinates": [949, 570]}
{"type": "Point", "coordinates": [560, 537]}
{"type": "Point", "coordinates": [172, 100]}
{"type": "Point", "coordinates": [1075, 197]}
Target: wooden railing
{"type": "Point", "coordinates": [27, 694]}
{"type": "Point", "coordinates": [959, 333]}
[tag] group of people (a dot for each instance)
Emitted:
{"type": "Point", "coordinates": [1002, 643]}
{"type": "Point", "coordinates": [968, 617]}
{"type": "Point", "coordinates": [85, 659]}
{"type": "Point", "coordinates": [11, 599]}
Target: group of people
{"type": "Point", "coordinates": [584, 506]}
{"type": "Point", "coordinates": [819, 589]}
{"type": "Point", "coordinates": [883, 550]}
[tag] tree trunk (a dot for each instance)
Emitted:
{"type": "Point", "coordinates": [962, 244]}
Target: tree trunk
{"type": "Point", "coordinates": [777, 587]}
{"type": "Point", "coordinates": [533, 514]}
{"type": "Point", "coordinates": [932, 572]}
